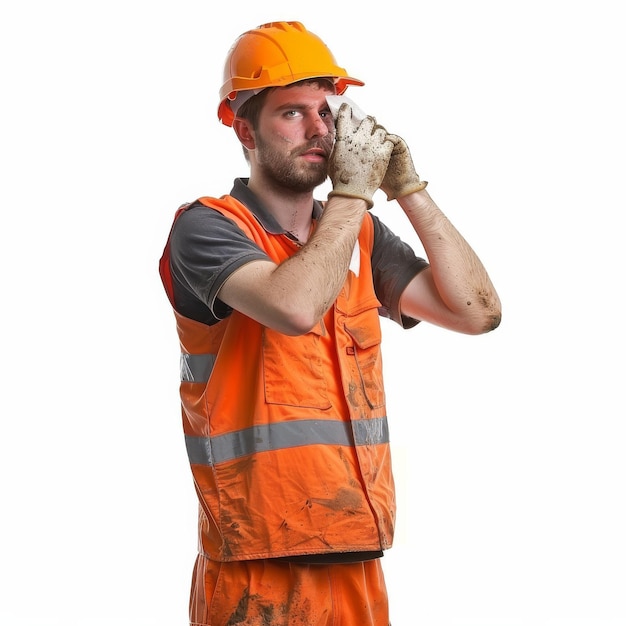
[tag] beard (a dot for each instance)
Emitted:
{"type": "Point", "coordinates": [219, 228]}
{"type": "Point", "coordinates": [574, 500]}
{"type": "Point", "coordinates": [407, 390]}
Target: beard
{"type": "Point", "coordinates": [286, 171]}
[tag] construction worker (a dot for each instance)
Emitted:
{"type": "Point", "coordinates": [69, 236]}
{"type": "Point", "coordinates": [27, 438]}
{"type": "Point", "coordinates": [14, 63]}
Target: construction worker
{"type": "Point", "coordinates": [277, 298]}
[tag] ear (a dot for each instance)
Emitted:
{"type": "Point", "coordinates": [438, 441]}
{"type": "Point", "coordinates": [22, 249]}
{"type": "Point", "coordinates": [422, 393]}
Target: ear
{"type": "Point", "coordinates": [244, 132]}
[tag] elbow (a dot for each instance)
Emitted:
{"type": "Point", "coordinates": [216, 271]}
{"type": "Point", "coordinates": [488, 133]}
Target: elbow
{"type": "Point", "coordinates": [494, 321]}
{"type": "Point", "coordinates": [488, 320]}
{"type": "Point", "coordinates": [294, 329]}
{"type": "Point", "coordinates": [486, 325]}
{"type": "Point", "coordinates": [297, 322]}
{"type": "Point", "coordinates": [487, 312]}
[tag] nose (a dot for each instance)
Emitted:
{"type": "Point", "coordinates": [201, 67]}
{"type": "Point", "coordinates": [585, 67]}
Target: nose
{"type": "Point", "coordinates": [318, 126]}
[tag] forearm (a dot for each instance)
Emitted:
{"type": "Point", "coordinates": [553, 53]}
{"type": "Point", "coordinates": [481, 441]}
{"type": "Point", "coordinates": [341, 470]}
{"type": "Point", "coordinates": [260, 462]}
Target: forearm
{"type": "Point", "coordinates": [315, 275]}
{"type": "Point", "coordinates": [459, 277]}
{"type": "Point", "coordinates": [293, 296]}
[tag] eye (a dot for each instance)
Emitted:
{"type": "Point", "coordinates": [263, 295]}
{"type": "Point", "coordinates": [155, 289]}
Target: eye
{"type": "Point", "coordinates": [292, 114]}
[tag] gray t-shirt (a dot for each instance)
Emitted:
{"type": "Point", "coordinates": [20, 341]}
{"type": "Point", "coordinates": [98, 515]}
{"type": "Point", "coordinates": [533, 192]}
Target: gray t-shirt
{"type": "Point", "coordinates": [206, 248]}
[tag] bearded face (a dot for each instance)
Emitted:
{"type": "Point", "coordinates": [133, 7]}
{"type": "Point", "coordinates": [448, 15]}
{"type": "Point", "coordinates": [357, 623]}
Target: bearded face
{"type": "Point", "coordinates": [287, 166]}
{"type": "Point", "coordinates": [292, 137]}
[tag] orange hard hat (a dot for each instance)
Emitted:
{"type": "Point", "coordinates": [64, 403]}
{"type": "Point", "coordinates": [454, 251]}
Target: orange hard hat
{"type": "Point", "coordinates": [274, 55]}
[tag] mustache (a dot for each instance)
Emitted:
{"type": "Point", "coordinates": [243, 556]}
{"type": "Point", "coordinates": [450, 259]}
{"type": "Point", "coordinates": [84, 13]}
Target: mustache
{"type": "Point", "coordinates": [325, 145]}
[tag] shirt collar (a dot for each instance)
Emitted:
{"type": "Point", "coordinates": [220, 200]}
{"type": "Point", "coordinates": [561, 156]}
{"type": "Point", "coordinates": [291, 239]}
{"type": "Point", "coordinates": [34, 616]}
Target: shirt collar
{"type": "Point", "coordinates": [241, 192]}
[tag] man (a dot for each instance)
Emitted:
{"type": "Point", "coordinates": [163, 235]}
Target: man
{"type": "Point", "coordinates": [277, 299]}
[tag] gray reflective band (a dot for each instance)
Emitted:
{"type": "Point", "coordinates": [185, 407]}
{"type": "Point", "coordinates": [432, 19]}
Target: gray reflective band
{"type": "Point", "coordinates": [196, 368]}
{"type": "Point", "coordinates": [210, 451]}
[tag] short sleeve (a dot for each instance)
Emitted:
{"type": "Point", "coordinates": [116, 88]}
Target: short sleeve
{"type": "Point", "coordinates": [394, 265]}
{"type": "Point", "coordinates": [206, 248]}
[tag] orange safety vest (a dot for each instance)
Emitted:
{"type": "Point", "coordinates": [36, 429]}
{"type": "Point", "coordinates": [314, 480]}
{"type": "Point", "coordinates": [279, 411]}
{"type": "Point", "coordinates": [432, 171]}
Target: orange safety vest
{"type": "Point", "coordinates": [287, 436]}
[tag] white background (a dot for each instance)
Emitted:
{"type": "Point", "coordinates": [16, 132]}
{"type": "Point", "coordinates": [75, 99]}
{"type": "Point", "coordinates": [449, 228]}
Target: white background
{"type": "Point", "coordinates": [509, 447]}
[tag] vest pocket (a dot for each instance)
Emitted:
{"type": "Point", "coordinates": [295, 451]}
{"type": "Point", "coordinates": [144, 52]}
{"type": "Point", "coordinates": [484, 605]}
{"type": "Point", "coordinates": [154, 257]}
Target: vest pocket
{"type": "Point", "coordinates": [293, 370]}
{"type": "Point", "coordinates": [364, 330]}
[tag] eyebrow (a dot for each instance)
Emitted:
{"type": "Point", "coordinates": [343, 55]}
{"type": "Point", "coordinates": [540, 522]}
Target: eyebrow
{"type": "Point", "coordinates": [299, 107]}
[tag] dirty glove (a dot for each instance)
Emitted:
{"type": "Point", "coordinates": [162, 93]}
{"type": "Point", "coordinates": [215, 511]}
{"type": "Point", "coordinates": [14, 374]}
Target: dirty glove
{"type": "Point", "coordinates": [359, 158]}
{"type": "Point", "coordinates": [401, 178]}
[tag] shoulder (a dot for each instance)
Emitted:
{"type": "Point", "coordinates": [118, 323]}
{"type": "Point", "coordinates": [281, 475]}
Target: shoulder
{"type": "Point", "coordinates": [202, 224]}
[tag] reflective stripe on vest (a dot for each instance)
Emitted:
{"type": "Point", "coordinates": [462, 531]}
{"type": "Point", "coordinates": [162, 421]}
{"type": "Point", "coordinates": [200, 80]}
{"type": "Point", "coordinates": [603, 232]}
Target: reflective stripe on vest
{"type": "Point", "coordinates": [196, 368]}
{"type": "Point", "coordinates": [214, 450]}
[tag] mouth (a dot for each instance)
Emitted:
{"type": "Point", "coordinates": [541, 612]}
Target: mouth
{"type": "Point", "coordinates": [315, 154]}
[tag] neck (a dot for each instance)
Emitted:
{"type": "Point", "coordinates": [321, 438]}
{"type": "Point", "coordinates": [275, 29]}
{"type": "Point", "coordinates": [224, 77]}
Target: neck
{"type": "Point", "coordinates": [292, 209]}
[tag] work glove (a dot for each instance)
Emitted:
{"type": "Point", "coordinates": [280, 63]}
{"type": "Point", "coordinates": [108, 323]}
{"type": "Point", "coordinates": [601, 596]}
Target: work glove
{"type": "Point", "coordinates": [401, 178]}
{"type": "Point", "coordinates": [359, 158]}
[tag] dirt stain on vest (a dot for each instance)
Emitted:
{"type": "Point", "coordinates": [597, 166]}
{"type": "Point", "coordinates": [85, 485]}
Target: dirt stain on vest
{"type": "Point", "coordinates": [352, 394]}
{"type": "Point", "coordinates": [347, 500]}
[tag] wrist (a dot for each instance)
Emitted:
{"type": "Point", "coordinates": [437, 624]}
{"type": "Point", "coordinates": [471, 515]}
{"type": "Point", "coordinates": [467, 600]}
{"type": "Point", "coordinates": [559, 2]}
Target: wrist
{"type": "Point", "coordinates": [353, 196]}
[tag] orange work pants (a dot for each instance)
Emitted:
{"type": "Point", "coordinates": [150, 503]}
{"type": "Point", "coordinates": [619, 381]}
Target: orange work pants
{"type": "Point", "coordinates": [270, 592]}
